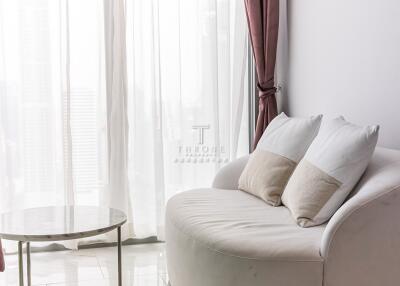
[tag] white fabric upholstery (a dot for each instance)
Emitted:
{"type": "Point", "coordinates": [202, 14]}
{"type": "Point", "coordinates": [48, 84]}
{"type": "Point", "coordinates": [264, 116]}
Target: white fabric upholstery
{"type": "Point", "coordinates": [228, 176]}
{"type": "Point", "coordinates": [364, 234]}
{"type": "Point", "coordinates": [226, 237]}
{"type": "Point", "coordinates": [290, 137]}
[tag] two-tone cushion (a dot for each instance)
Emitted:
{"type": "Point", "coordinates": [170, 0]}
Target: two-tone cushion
{"type": "Point", "coordinates": [329, 170]}
{"type": "Point", "coordinates": [281, 147]}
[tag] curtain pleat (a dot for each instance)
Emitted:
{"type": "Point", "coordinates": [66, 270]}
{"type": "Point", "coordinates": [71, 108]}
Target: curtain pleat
{"type": "Point", "coordinates": [263, 23]}
{"type": "Point", "coordinates": [116, 193]}
{"type": "Point", "coordinates": [66, 103]}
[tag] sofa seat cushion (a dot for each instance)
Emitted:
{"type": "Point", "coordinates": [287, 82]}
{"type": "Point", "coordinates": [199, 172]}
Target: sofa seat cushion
{"type": "Point", "coordinates": [228, 237]}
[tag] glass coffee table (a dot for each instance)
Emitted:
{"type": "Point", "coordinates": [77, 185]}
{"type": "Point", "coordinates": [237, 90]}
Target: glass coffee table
{"type": "Point", "coordinates": [57, 223]}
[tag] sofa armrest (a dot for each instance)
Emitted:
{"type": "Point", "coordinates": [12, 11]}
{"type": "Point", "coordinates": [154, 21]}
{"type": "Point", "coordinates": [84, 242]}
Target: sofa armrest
{"type": "Point", "coordinates": [228, 176]}
{"type": "Point", "coordinates": [364, 234]}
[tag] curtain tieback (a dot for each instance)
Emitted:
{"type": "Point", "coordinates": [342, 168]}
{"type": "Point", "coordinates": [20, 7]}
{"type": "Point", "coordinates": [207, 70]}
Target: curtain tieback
{"type": "Point", "coordinates": [265, 92]}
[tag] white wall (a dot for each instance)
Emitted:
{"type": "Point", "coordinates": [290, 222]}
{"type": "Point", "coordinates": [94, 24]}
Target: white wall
{"type": "Point", "coordinates": [343, 58]}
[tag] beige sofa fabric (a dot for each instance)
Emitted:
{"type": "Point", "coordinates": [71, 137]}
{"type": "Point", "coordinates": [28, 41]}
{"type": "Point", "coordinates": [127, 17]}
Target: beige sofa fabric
{"type": "Point", "coordinates": [266, 175]}
{"type": "Point", "coordinates": [300, 196]}
{"type": "Point", "coordinates": [228, 176]}
{"type": "Point", "coordinates": [361, 243]}
{"type": "Point", "coordinates": [226, 237]}
{"type": "Point", "coordinates": [230, 238]}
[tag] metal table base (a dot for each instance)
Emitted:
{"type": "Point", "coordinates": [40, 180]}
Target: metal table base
{"type": "Point", "coordinates": [28, 261]}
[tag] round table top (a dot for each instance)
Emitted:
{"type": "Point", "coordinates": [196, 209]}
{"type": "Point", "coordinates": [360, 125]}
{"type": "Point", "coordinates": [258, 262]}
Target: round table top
{"type": "Point", "coordinates": [59, 223]}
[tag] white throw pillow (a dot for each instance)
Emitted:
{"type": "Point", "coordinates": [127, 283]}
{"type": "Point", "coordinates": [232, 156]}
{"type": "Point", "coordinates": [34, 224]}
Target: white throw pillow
{"type": "Point", "coordinates": [329, 170]}
{"type": "Point", "coordinates": [281, 147]}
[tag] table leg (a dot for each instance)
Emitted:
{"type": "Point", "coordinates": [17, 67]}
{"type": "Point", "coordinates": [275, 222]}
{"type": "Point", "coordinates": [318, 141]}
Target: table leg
{"type": "Point", "coordinates": [119, 258]}
{"type": "Point", "coordinates": [20, 264]}
{"type": "Point", "coordinates": [28, 262]}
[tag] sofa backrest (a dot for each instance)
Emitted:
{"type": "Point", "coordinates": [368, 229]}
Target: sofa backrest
{"type": "Point", "coordinates": [383, 173]}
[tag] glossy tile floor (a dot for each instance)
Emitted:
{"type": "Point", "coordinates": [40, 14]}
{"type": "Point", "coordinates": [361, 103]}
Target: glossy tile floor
{"type": "Point", "coordinates": [143, 265]}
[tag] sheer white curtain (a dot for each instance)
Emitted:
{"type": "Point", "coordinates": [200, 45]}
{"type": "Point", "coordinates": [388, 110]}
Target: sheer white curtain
{"type": "Point", "coordinates": [53, 107]}
{"type": "Point", "coordinates": [187, 104]}
{"type": "Point", "coordinates": [119, 103]}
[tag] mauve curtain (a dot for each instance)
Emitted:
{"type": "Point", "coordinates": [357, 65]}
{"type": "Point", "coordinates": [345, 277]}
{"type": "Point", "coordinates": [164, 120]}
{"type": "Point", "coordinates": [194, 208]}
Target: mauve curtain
{"type": "Point", "coordinates": [2, 264]}
{"type": "Point", "coordinates": [263, 21]}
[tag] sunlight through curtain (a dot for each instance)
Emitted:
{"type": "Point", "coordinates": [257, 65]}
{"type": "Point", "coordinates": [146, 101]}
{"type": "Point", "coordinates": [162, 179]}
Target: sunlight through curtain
{"type": "Point", "coordinates": [119, 103]}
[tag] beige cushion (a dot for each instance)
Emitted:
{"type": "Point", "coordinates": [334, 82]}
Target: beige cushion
{"type": "Point", "coordinates": [281, 147]}
{"type": "Point", "coordinates": [328, 172]}
{"type": "Point", "coordinates": [266, 175]}
{"type": "Point", "coordinates": [309, 191]}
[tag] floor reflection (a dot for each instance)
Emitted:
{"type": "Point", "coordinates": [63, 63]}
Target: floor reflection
{"type": "Point", "coordinates": [142, 265]}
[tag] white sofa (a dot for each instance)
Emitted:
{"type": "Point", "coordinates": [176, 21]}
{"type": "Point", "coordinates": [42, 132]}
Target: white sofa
{"type": "Point", "coordinates": [220, 236]}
